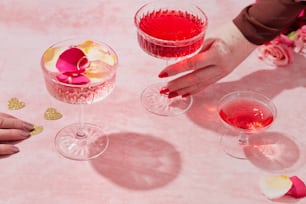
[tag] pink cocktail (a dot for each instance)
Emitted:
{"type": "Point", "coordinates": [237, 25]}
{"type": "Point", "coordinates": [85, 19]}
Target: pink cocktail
{"type": "Point", "coordinates": [94, 83]}
{"type": "Point", "coordinates": [80, 71]}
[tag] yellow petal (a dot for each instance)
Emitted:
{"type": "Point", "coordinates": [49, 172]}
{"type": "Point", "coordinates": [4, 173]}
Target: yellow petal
{"type": "Point", "coordinates": [87, 45]}
{"type": "Point", "coordinates": [274, 187]}
{"type": "Point", "coordinates": [94, 72]}
{"type": "Point", "coordinates": [49, 55]}
{"type": "Point", "coordinates": [98, 69]}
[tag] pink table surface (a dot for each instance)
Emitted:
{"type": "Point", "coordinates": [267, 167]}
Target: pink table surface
{"type": "Point", "coordinates": [151, 159]}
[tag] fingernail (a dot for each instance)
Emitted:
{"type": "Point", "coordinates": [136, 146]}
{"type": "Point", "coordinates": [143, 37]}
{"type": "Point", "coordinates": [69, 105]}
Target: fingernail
{"type": "Point", "coordinates": [185, 95]}
{"type": "Point", "coordinates": [164, 90]}
{"type": "Point", "coordinates": [25, 134]}
{"type": "Point", "coordinates": [28, 126]}
{"type": "Point", "coordinates": [14, 149]}
{"type": "Point", "coordinates": [163, 74]}
{"type": "Point", "coordinates": [172, 94]}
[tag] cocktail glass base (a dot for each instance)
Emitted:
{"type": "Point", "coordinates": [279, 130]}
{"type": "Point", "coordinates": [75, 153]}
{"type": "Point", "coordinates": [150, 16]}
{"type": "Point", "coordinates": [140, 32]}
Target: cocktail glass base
{"type": "Point", "coordinates": [233, 147]}
{"type": "Point", "coordinates": [81, 142]}
{"type": "Point", "coordinates": [159, 104]}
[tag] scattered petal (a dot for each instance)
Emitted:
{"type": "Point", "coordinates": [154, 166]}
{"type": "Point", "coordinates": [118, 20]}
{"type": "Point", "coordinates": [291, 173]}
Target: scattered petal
{"type": "Point", "coordinates": [15, 104]}
{"type": "Point", "coordinates": [52, 114]}
{"type": "Point", "coordinates": [298, 189]}
{"type": "Point", "coordinates": [274, 187]}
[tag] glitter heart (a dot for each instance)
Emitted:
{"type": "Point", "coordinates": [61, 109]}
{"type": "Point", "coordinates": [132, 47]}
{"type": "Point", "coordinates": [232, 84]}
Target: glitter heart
{"type": "Point", "coordinates": [52, 114]}
{"type": "Point", "coordinates": [15, 104]}
{"type": "Point", "coordinates": [37, 130]}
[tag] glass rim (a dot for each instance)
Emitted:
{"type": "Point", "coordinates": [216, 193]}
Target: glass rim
{"type": "Point", "coordinates": [268, 101]}
{"type": "Point", "coordinates": [203, 18]}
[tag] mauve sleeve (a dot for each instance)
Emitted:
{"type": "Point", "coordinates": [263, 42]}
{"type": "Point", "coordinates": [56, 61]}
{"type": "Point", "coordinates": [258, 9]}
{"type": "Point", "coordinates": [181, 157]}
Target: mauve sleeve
{"type": "Point", "coordinates": [265, 19]}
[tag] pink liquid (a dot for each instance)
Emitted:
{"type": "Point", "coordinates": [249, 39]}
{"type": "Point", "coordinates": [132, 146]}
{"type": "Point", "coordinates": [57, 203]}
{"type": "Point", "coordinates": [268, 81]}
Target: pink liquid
{"type": "Point", "coordinates": [101, 73]}
{"type": "Point", "coordinates": [246, 114]}
{"type": "Point", "coordinates": [80, 95]}
{"type": "Point", "coordinates": [174, 26]}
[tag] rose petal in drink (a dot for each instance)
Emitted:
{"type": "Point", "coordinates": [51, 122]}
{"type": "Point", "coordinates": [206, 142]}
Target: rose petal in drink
{"type": "Point", "coordinates": [98, 69]}
{"type": "Point", "coordinates": [72, 60]}
{"type": "Point", "coordinates": [87, 45]}
{"type": "Point", "coordinates": [69, 79]}
{"type": "Point", "coordinates": [49, 55]}
{"type": "Point", "coordinates": [98, 53]}
{"type": "Point", "coordinates": [50, 58]}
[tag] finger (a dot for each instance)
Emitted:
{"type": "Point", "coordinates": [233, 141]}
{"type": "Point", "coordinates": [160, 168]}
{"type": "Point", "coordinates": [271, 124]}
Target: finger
{"type": "Point", "coordinates": [13, 134]}
{"type": "Point", "coordinates": [195, 81]}
{"type": "Point", "coordinates": [207, 44]}
{"type": "Point", "coordinates": [204, 76]}
{"type": "Point", "coordinates": [190, 90]}
{"type": "Point", "coordinates": [5, 115]}
{"type": "Point", "coordinates": [197, 61]}
{"type": "Point", "coordinates": [14, 123]}
{"type": "Point", "coordinates": [7, 149]}
{"type": "Point", "coordinates": [188, 64]}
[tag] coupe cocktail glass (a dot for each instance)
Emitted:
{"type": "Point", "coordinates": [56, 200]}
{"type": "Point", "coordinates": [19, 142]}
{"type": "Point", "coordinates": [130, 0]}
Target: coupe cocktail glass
{"type": "Point", "coordinates": [79, 71]}
{"type": "Point", "coordinates": [247, 113]}
{"type": "Point", "coordinates": [169, 30]}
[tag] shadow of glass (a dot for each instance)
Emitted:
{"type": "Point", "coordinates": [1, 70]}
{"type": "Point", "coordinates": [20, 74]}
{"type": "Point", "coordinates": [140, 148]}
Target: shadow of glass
{"type": "Point", "coordinates": [138, 162]}
{"type": "Point", "coordinates": [275, 152]}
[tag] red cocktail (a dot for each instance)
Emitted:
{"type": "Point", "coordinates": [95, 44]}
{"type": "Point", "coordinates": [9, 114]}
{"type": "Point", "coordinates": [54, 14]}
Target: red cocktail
{"type": "Point", "coordinates": [246, 112]}
{"type": "Point", "coordinates": [169, 30]}
{"type": "Point", "coordinates": [171, 33]}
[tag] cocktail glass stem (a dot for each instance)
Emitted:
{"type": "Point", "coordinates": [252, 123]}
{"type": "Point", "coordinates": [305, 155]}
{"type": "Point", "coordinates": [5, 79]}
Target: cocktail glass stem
{"type": "Point", "coordinates": [243, 139]}
{"type": "Point", "coordinates": [81, 134]}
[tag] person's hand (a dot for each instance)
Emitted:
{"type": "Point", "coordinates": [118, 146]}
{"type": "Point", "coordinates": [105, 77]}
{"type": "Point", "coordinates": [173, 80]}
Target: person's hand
{"type": "Point", "coordinates": [12, 129]}
{"type": "Point", "coordinates": [221, 54]}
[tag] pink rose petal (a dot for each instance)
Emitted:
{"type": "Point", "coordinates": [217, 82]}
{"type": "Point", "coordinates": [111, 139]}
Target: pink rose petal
{"type": "Point", "coordinates": [300, 41]}
{"type": "Point", "coordinates": [69, 79]}
{"type": "Point", "coordinates": [278, 52]}
{"type": "Point", "coordinates": [72, 60]}
{"type": "Point", "coordinates": [298, 189]}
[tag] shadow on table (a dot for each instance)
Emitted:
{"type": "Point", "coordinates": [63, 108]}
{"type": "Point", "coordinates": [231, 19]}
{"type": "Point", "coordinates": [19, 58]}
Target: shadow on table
{"type": "Point", "coordinates": [268, 82]}
{"type": "Point", "coordinates": [139, 162]}
{"type": "Point", "coordinates": [275, 152]}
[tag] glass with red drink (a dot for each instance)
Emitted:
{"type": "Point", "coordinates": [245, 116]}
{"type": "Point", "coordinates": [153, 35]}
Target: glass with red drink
{"type": "Point", "coordinates": [245, 112]}
{"type": "Point", "coordinates": [169, 30]}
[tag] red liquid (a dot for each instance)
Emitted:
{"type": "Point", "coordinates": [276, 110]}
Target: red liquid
{"type": "Point", "coordinates": [246, 114]}
{"type": "Point", "coordinates": [174, 26]}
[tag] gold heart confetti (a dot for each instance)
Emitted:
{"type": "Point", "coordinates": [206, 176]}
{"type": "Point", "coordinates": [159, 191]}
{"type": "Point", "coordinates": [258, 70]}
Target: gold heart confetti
{"type": "Point", "coordinates": [52, 114]}
{"type": "Point", "coordinates": [15, 104]}
{"type": "Point", "coordinates": [37, 129]}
